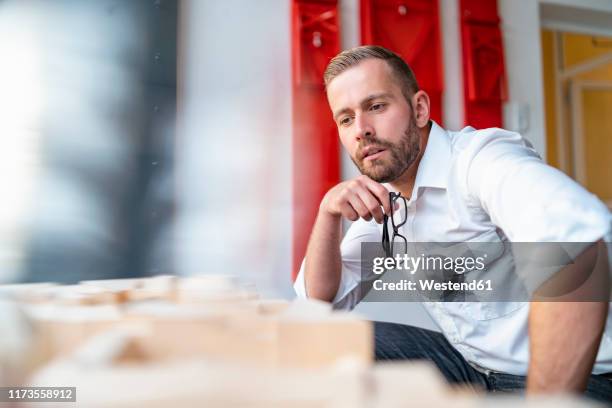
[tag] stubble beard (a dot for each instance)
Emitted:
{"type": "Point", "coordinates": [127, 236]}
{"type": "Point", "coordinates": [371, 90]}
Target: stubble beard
{"type": "Point", "coordinates": [403, 155]}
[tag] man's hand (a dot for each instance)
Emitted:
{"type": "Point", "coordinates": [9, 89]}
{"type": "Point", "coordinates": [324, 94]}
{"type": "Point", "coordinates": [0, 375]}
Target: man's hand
{"type": "Point", "coordinates": [361, 197]}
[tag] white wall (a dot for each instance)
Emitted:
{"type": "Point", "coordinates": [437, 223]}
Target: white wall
{"type": "Point", "coordinates": [521, 34]}
{"type": "Point", "coordinates": [350, 37]}
{"type": "Point", "coordinates": [452, 97]}
{"type": "Point", "coordinates": [234, 143]}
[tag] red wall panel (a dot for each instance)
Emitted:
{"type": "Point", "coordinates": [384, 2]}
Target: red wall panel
{"type": "Point", "coordinates": [316, 155]}
{"type": "Point", "coordinates": [411, 28]}
{"type": "Point", "coordinates": [484, 75]}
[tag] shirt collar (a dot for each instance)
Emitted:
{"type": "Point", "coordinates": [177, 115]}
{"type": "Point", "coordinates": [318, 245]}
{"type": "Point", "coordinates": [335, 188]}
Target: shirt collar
{"type": "Point", "coordinates": [435, 164]}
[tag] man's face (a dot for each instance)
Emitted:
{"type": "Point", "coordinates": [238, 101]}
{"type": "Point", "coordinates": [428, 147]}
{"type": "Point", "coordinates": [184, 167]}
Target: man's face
{"type": "Point", "coordinates": [375, 121]}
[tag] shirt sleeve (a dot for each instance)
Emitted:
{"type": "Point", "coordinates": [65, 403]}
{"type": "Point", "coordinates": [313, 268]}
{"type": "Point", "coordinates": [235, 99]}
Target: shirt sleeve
{"type": "Point", "coordinates": [349, 294]}
{"type": "Point", "coordinates": [529, 200]}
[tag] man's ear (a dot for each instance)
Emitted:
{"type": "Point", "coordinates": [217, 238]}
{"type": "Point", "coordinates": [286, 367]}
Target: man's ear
{"type": "Point", "coordinates": [420, 103]}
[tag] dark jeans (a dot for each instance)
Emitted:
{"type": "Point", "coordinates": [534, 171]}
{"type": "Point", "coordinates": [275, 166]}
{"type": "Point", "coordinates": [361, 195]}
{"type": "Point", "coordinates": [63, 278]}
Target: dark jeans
{"type": "Point", "coordinates": [401, 342]}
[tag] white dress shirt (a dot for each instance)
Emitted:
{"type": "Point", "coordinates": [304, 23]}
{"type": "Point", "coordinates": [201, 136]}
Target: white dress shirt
{"type": "Point", "coordinates": [485, 185]}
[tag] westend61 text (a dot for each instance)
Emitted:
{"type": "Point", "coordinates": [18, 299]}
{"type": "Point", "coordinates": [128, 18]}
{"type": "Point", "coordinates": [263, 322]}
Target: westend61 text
{"type": "Point", "coordinates": [430, 284]}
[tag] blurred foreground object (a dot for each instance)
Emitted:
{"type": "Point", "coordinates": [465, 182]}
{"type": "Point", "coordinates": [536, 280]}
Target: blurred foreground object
{"type": "Point", "coordinates": [87, 121]}
{"type": "Point", "coordinates": [210, 341]}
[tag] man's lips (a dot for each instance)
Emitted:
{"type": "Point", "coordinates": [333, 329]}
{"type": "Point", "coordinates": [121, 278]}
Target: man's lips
{"type": "Point", "coordinates": [372, 152]}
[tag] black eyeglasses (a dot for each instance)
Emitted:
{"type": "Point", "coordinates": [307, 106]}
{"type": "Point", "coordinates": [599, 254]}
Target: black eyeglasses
{"type": "Point", "coordinates": [397, 241]}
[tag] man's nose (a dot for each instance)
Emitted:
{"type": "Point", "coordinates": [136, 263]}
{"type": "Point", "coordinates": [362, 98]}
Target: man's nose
{"type": "Point", "coordinates": [363, 128]}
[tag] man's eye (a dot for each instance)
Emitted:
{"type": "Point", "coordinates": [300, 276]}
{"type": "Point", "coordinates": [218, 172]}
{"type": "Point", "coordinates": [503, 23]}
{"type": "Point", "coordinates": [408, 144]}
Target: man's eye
{"type": "Point", "coordinates": [345, 121]}
{"type": "Point", "coordinates": [377, 106]}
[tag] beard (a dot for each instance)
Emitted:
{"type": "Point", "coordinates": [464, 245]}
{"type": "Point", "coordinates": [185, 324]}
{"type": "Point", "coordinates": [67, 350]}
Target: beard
{"type": "Point", "coordinates": [403, 155]}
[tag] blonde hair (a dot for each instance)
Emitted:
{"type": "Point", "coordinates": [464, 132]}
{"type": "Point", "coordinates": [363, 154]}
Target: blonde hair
{"type": "Point", "coordinates": [349, 58]}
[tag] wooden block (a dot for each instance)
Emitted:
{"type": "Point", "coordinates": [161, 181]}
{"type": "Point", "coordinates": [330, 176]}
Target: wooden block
{"type": "Point", "coordinates": [188, 330]}
{"type": "Point", "coordinates": [216, 337]}
{"type": "Point", "coordinates": [197, 383]}
{"type": "Point", "coordinates": [28, 292]}
{"type": "Point", "coordinates": [18, 344]}
{"type": "Point", "coordinates": [80, 295]}
{"type": "Point", "coordinates": [306, 334]}
{"type": "Point", "coordinates": [308, 309]}
{"type": "Point", "coordinates": [213, 288]}
{"type": "Point", "coordinates": [417, 383]}
{"type": "Point", "coordinates": [63, 328]}
{"type": "Point", "coordinates": [271, 307]}
{"type": "Point", "coordinates": [321, 342]}
{"type": "Point", "coordinates": [161, 287]}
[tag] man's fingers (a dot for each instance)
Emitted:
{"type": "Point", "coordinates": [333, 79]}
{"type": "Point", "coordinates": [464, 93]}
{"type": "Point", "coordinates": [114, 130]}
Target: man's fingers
{"type": "Point", "coordinates": [360, 198]}
{"type": "Point", "coordinates": [348, 212]}
{"type": "Point", "coordinates": [372, 204]}
{"type": "Point", "coordinates": [380, 192]}
{"type": "Point", "coordinates": [360, 207]}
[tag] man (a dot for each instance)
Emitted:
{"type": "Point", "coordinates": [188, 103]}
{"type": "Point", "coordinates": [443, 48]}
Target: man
{"type": "Point", "coordinates": [474, 185]}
